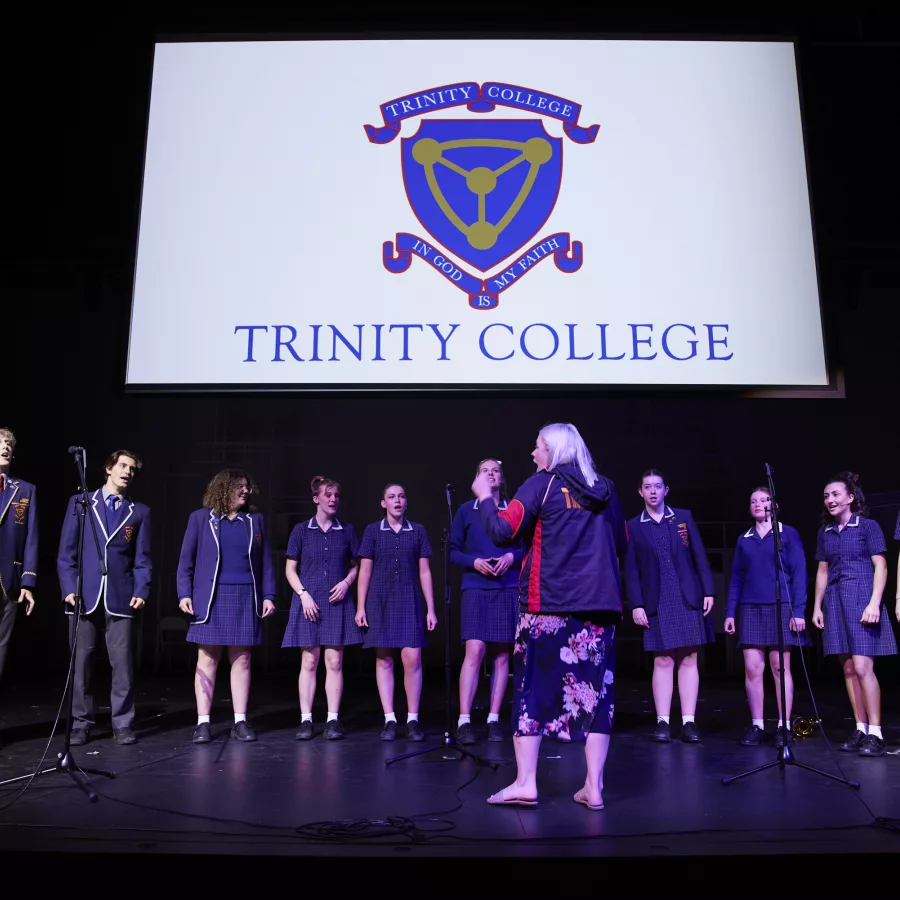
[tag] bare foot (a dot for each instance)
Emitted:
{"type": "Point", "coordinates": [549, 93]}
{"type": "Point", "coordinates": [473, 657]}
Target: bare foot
{"type": "Point", "coordinates": [512, 795]}
{"type": "Point", "coordinates": [588, 799]}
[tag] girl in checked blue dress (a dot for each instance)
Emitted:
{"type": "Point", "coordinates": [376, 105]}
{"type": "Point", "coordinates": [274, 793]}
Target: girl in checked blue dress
{"type": "Point", "coordinates": [321, 568]}
{"type": "Point", "coordinates": [751, 598]}
{"type": "Point", "coordinates": [849, 585]}
{"type": "Point", "coordinates": [394, 580]}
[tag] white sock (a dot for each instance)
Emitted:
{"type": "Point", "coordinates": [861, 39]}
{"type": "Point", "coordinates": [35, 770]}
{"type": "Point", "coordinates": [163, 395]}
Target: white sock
{"type": "Point", "coordinates": [240, 717]}
{"type": "Point", "coordinates": [760, 724]}
{"type": "Point", "coordinates": [389, 717]}
{"type": "Point", "coordinates": [463, 720]}
{"type": "Point", "coordinates": [686, 719]}
{"type": "Point", "coordinates": [331, 717]}
{"type": "Point", "coordinates": [306, 717]}
{"type": "Point", "coordinates": [662, 719]}
{"type": "Point", "coordinates": [201, 720]}
{"type": "Point", "coordinates": [876, 730]}
{"type": "Point", "coordinates": [780, 723]}
{"type": "Point", "coordinates": [412, 717]}
{"type": "Point", "coordinates": [861, 726]}
{"type": "Point", "coordinates": [493, 717]}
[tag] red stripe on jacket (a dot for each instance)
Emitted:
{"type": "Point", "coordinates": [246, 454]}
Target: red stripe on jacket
{"type": "Point", "coordinates": [513, 514]}
{"type": "Point", "coordinates": [534, 576]}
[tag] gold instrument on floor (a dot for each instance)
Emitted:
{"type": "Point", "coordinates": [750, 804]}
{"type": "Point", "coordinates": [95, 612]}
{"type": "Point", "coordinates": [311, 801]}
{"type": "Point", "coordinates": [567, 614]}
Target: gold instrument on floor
{"type": "Point", "coordinates": [803, 726]}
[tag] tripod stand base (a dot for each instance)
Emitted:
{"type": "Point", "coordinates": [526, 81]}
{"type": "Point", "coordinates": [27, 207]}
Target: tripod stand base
{"type": "Point", "coordinates": [66, 764]}
{"type": "Point", "coordinates": [786, 758]}
{"type": "Point", "coordinates": [448, 743]}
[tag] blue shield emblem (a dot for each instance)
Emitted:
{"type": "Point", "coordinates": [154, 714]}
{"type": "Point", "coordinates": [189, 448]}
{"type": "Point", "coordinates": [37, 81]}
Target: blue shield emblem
{"type": "Point", "coordinates": [482, 189]}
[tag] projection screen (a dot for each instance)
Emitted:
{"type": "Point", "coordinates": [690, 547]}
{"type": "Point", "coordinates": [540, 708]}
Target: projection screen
{"type": "Point", "coordinates": [380, 214]}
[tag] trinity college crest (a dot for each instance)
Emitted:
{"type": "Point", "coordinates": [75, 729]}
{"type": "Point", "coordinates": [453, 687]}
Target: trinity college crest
{"type": "Point", "coordinates": [482, 188]}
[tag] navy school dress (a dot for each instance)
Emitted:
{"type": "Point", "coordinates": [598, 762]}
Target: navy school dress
{"type": "Point", "coordinates": [851, 574]}
{"type": "Point", "coordinates": [751, 593]}
{"type": "Point", "coordinates": [395, 607]}
{"type": "Point", "coordinates": [490, 605]}
{"type": "Point", "coordinates": [323, 559]}
{"type": "Point", "coordinates": [232, 619]}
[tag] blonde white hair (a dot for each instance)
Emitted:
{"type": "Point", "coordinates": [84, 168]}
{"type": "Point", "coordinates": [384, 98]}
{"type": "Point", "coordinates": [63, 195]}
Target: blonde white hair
{"type": "Point", "coordinates": [567, 446]}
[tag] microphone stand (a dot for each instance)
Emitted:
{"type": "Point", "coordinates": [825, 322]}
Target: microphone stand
{"type": "Point", "coordinates": [65, 762]}
{"type": "Point", "coordinates": [785, 753]}
{"type": "Point", "coordinates": [448, 680]}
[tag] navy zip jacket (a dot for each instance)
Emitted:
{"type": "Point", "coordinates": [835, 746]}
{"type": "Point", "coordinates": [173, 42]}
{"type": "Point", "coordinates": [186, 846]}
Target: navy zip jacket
{"type": "Point", "coordinates": [468, 542]}
{"type": "Point", "coordinates": [688, 557]}
{"type": "Point", "coordinates": [575, 535]}
{"type": "Point", "coordinates": [753, 571]}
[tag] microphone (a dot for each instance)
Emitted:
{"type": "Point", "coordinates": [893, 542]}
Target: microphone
{"type": "Point", "coordinates": [449, 487]}
{"type": "Point", "coordinates": [74, 450]}
{"type": "Point", "coordinates": [769, 469]}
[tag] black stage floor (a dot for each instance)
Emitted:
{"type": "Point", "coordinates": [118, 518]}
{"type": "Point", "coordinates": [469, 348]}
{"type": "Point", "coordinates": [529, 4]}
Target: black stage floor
{"type": "Point", "coordinates": [275, 798]}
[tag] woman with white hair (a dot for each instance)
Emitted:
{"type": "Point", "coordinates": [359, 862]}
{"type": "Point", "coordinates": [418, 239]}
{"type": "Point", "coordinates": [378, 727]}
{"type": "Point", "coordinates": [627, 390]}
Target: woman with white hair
{"type": "Point", "coordinates": [570, 600]}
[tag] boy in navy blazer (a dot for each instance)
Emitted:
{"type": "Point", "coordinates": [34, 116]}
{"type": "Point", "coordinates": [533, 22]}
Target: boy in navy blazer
{"type": "Point", "coordinates": [18, 543]}
{"type": "Point", "coordinates": [110, 601]}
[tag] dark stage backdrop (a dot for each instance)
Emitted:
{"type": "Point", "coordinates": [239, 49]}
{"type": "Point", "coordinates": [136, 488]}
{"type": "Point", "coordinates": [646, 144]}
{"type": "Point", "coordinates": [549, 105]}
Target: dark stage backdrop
{"type": "Point", "coordinates": [67, 271]}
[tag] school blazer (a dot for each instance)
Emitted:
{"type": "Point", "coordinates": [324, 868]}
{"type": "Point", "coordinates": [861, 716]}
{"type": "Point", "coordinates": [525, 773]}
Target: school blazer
{"type": "Point", "coordinates": [198, 566]}
{"type": "Point", "coordinates": [18, 538]}
{"type": "Point", "coordinates": [688, 556]}
{"type": "Point", "coordinates": [126, 552]}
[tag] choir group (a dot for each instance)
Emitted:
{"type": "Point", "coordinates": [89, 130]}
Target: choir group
{"type": "Point", "coordinates": [517, 555]}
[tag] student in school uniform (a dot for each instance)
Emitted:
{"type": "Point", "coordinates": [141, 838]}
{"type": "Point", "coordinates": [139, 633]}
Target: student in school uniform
{"type": "Point", "coordinates": [18, 543]}
{"type": "Point", "coordinates": [489, 611]}
{"type": "Point", "coordinates": [110, 601]}
{"type": "Point", "coordinates": [394, 585]}
{"type": "Point", "coordinates": [897, 598]}
{"type": "Point", "coordinates": [850, 582]}
{"type": "Point", "coordinates": [671, 592]}
{"type": "Point", "coordinates": [751, 599]}
{"type": "Point", "coordinates": [322, 561]}
{"type": "Point", "coordinates": [226, 583]}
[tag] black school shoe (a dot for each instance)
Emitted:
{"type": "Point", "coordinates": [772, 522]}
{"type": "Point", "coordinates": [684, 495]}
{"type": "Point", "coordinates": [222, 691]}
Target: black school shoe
{"type": "Point", "coordinates": [79, 737]}
{"type": "Point", "coordinates": [779, 738]}
{"type": "Point", "coordinates": [243, 732]}
{"type": "Point", "coordinates": [752, 736]}
{"type": "Point", "coordinates": [334, 731]}
{"type": "Point", "coordinates": [414, 731]}
{"type": "Point", "coordinates": [125, 736]}
{"type": "Point", "coordinates": [663, 732]}
{"type": "Point", "coordinates": [690, 734]}
{"type": "Point", "coordinates": [872, 746]}
{"type": "Point", "coordinates": [854, 745]}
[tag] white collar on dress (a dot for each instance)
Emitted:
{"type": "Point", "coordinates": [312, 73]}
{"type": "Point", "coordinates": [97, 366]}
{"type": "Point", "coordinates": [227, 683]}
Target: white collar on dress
{"type": "Point", "coordinates": [314, 525]}
{"type": "Point", "coordinates": [668, 514]}
{"type": "Point", "coordinates": [407, 526]}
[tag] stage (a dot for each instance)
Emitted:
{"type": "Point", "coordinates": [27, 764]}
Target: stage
{"type": "Point", "coordinates": [281, 799]}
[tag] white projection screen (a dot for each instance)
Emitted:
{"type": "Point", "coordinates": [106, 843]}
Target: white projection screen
{"type": "Point", "coordinates": [467, 214]}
